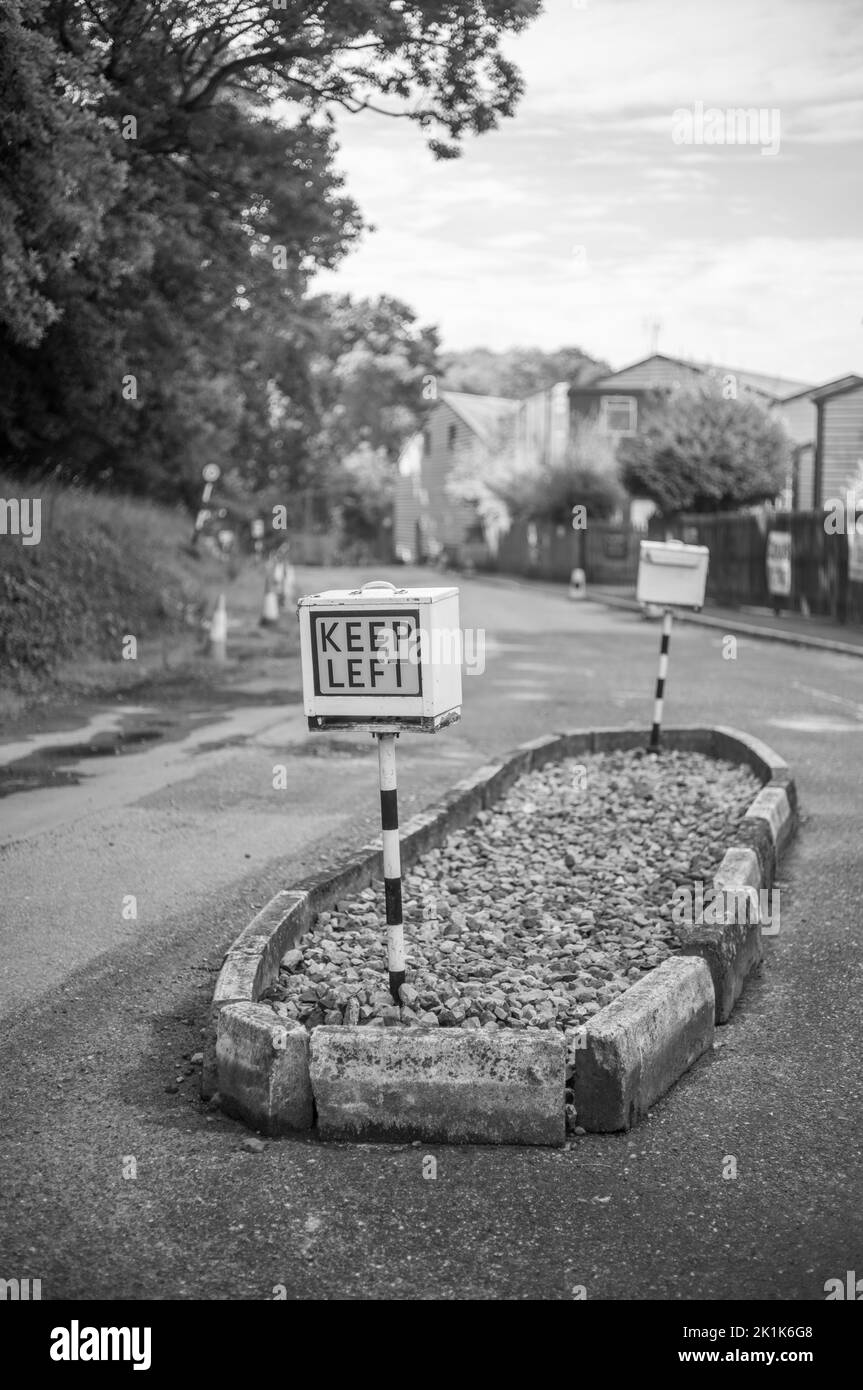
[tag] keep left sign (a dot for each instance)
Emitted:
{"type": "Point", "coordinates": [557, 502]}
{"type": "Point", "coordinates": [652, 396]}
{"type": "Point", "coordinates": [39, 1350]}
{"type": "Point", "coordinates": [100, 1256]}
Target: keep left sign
{"type": "Point", "coordinates": [366, 653]}
{"type": "Point", "coordinates": [381, 658]}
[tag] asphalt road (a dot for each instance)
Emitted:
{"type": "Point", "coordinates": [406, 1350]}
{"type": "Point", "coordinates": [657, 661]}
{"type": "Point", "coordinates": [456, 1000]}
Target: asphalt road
{"type": "Point", "coordinates": [103, 1011]}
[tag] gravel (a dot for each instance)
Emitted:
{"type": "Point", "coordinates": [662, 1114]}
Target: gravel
{"type": "Point", "coordinates": [540, 912]}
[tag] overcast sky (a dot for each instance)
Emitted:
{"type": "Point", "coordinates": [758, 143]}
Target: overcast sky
{"type": "Point", "coordinates": [581, 221]}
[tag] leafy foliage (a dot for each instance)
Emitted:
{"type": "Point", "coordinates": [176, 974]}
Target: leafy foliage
{"type": "Point", "coordinates": [169, 191]}
{"type": "Point", "coordinates": [517, 372]}
{"type": "Point", "coordinates": [695, 451]}
{"type": "Point", "coordinates": [508, 486]}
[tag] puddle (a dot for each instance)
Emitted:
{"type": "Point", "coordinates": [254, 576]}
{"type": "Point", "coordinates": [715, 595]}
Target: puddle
{"type": "Point", "coordinates": [53, 758]}
{"type": "Point", "coordinates": [106, 722]}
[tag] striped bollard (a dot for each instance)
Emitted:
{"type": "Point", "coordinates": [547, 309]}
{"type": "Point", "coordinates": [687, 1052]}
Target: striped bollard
{"type": "Point", "coordinates": [653, 746]}
{"type": "Point", "coordinates": [392, 862]}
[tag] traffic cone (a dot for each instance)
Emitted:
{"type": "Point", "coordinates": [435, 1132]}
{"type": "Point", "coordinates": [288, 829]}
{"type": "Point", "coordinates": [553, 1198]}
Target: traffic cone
{"type": "Point", "coordinates": [219, 631]}
{"type": "Point", "coordinates": [270, 610]}
{"type": "Point", "coordinates": [279, 579]}
{"type": "Point", "coordinates": [577, 584]}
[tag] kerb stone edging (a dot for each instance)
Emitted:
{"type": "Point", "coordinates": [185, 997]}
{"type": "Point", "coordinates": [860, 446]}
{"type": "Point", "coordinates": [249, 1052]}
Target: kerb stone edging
{"type": "Point", "coordinates": [629, 1053]}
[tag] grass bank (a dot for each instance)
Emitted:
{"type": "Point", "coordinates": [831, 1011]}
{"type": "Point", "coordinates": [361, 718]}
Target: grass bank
{"type": "Point", "coordinates": [100, 569]}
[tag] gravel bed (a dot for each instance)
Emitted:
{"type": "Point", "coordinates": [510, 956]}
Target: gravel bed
{"type": "Point", "coordinates": [541, 911]}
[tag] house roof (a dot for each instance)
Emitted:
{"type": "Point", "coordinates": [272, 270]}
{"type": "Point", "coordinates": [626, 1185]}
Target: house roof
{"type": "Point", "coordinates": [659, 371]}
{"type": "Point", "coordinates": [837, 387]}
{"type": "Point", "coordinates": [482, 414]}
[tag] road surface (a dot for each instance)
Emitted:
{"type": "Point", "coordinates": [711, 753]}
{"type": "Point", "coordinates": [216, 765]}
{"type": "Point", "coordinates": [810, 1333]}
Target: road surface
{"type": "Point", "coordinates": [102, 1011]}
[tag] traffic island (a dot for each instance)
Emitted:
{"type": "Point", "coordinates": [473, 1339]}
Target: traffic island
{"type": "Point", "coordinates": [624, 1047]}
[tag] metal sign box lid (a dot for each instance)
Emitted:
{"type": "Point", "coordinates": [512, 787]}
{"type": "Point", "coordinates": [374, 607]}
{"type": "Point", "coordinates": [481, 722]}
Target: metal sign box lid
{"type": "Point", "coordinates": [376, 593]}
{"type": "Point", "coordinates": [673, 553]}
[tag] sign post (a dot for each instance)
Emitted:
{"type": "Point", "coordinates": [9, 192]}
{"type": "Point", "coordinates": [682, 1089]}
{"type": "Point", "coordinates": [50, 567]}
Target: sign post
{"type": "Point", "coordinates": [385, 661]}
{"type": "Point", "coordinates": [392, 861]}
{"type": "Point", "coordinates": [665, 643]}
{"type": "Point", "coordinates": [211, 474]}
{"type": "Point", "coordinates": [671, 575]}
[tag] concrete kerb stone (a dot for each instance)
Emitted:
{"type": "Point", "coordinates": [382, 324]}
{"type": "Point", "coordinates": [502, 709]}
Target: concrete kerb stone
{"type": "Point", "coordinates": [641, 1043]}
{"type": "Point", "coordinates": [773, 806]}
{"type": "Point", "coordinates": [642, 1072]}
{"type": "Point", "coordinates": [451, 1086]}
{"type": "Point", "coordinates": [263, 1067]}
{"type": "Point", "coordinates": [731, 949]}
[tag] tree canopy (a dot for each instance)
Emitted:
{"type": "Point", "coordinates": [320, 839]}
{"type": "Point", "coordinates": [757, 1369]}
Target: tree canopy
{"type": "Point", "coordinates": [169, 188]}
{"type": "Point", "coordinates": [696, 451]}
{"type": "Point", "coordinates": [518, 372]}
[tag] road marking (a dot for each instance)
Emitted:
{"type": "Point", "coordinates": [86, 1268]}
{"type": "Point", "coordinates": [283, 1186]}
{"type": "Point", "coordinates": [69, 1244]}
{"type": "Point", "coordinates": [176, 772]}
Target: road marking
{"type": "Point", "coordinates": [828, 695]}
{"type": "Point", "coordinates": [817, 724]}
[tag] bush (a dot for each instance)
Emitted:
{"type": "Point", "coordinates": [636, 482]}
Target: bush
{"type": "Point", "coordinates": [695, 451]}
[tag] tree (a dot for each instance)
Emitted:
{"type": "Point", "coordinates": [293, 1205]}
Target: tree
{"type": "Point", "coordinates": [697, 452]}
{"type": "Point", "coordinates": [517, 372]}
{"type": "Point", "coordinates": [369, 361]}
{"type": "Point", "coordinates": [163, 224]}
{"type": "Point", "coordinates": [435, 62]}
{"type": "Point", "coordinates": [58, 175]}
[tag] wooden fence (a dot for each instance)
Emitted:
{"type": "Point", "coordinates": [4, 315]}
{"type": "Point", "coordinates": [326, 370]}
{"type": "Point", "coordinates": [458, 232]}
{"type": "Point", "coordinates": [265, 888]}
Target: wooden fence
{"type": "Point", "coordinates": [608, 554]}
{"type": "Point", "coordinates": [826, 571]}
{"type": "Point", "coordinates": [822, 582]}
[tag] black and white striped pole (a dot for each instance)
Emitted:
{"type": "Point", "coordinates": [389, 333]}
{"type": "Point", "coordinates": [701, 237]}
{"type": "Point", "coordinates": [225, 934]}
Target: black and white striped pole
{"type": "Point", "coordinates": [392, 862]}
{"type": "Point", "coordinates": [653, 746]}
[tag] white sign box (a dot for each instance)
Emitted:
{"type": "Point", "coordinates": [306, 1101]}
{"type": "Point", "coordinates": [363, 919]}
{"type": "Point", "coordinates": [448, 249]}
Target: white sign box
{"type": "Point", "coordinates": [380, 658]}
{"type": "Point", "coordinates": [779, 563]}
{"type": "Point", "coordinates": [672, 574]}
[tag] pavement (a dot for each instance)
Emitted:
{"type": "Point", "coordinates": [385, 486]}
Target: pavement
{"type": "Point", "coordinates": [103, 1013]}
{"type": "Point", "coordinates": [766, 623]}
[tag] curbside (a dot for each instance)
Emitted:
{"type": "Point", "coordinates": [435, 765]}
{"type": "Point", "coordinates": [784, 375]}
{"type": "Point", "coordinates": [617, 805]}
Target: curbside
{"type": "Point", "coordinates": [641, 1042]}
{"type": "Point", "coordinates": [449, 1086]}
{"type": "Point", "coordinates": [639, 1045]}
{"type": "Point", "coordinates": [263, 1067]}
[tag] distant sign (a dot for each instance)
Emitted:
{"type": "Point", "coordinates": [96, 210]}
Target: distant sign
{"type": "Point", "coordinates": [257, 529]}
{"type": "Point", "coordinates": [779, 563]}
{"type": "Point", "coordinates": [671, 574]}
{"type": "Point", "coordinates": [211, 472]}
{"type": "Point", "coordinates": [369, 653]}
{"type": "Point", "coordinates": [855, 554]}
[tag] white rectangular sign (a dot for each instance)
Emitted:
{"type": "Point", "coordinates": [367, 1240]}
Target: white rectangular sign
{"type": "Point", "coordinates": [369, 653]}
{"type": "Point", "coordinates": [779, 563]}
{"type": "Point", "coordinates": [671, 574]}
{"type": "Point", "coordinates": [380, 656]}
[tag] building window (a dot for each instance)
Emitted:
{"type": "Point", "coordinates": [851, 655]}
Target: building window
{"type": "Point", "coordinates": [450, 438]}
{"type": "Point", "coordinates": [619, 414]}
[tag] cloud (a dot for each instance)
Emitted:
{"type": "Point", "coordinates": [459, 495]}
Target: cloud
{"type": "Point", "coordinates": [742, 258]}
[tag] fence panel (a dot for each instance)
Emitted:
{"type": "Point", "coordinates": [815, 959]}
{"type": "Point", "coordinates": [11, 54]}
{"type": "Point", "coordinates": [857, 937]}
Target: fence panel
{"type": "Point", "coordinates": [738, 560]}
